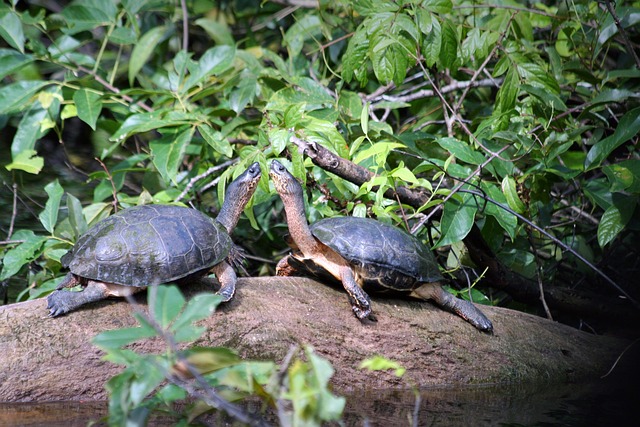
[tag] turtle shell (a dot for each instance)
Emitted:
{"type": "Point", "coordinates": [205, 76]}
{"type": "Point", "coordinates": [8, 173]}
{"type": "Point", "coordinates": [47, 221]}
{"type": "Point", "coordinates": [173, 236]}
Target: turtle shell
{"type": "Point", "coordinates": [148, 245]}
{"type": "Point", "coordinates": [383, 256]}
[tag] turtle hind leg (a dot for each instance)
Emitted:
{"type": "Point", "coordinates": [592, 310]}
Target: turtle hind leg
{"type": "Point", "coordinates": [62, 301]}
{"type": "Point", "coordinates": [463, 308]}
{"type": "Point", "coordinates": [227, 278]}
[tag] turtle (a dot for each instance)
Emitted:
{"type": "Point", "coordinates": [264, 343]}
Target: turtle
{"type": "Point", "coordinates": [152, 244]}
{"type": "Point", "coordinates": [363, 254]}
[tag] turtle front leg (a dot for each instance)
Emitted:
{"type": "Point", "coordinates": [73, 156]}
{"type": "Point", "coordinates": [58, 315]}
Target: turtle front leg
{"type": "Point", "coordinates": [360, 301]}
{"type": "Point", "coordinates": [62, 301]}
{"type": "Point", "coordinates": [462, 308]}
{"type": "Point", "coordinates": [227, 278]}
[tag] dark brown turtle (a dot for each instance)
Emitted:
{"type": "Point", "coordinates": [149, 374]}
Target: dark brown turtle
{"type": "Point", "coordinates": [363, 254]}
{"type": "Point", "coordinates": [153, 244]}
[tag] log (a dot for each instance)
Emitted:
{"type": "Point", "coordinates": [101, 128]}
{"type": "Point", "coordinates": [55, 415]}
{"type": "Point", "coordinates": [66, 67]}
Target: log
{"type": "Point", "coordinates": [46, 359]}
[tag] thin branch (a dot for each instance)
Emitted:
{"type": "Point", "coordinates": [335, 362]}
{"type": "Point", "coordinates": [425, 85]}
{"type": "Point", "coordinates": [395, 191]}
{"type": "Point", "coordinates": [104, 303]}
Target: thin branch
{"type": "Point", "coordinates": [623, 33]}
{"type": "Point", "coordinates": [14, 210]}
{"type": "Point", "coordinates": [203, 175]}
{"type": "Point", "coordinates": [114, 191]}
{"type": "Point", "coordinates": [185, 26]}
{"type": "Point", "coordinates": [114, 89]}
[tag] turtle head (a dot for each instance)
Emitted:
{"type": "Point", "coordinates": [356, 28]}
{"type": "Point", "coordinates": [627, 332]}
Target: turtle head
{"type": "Point", "coordinates": [237, 196]}
{"type": "Point", "coordinates": [286, 184]}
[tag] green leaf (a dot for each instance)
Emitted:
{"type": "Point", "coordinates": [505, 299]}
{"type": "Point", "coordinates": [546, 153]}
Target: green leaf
{"type": "Point", "coordinates": [17, 96]}
{"type": "Point", "coordinates": [139, 123]}
{"type": "Point", "coordinates": [218, 31]}
{"type": "Point", "coordinates": [167, 304]}
{"type": "Point", "coordinates": [20, 255]}
{"type": "Point", "coordinates": [511, 194]}
{"type": "Point", "coordinates": [244, 93]}
{"type": "Point", "coordinates": [215, 140]}
{"type": "Point", "coordinates": [507, 220]}
{"type": "Point", "coordinates": [211, 359]}
{"type": "Point", "coordinates": [11, 30]}
{"type": "Point", "coordinates": [213, 62]}
{"type": "Point", "coordinates": [330, 406]}
{"type": "Point", "coordinates": [28, 161]}
{"type": "Point", "coordinates": [615, 218]}
{"type": "Point", "coordinates": [144, 48]}
{"type": "Point", "coordinates": [461, 150]}
{"type": "Point", "coordinates": [379, 363]}
{"type": "Point", "coordinates": [167, 156]}
{"type": "Point", "coordinates": [449, 48]}
{"type": "Point", "coordinates": [457, 220]}
{"type": "Point", "coordinates": [76, 217]}
{"type": "Point", "coordinates": [89, 106]}
{"type": "Point", "coordinates": [198, 308]}
{"type": "Point", "coordinates": [118, 338]}
{"type": "Point", "coordinates": [49, 216]}
{"type": "Point", "coordinates": [432, 44]}
{"type": "Point", "coordinates": [12, 61]}
{"type": "Point", "coordinates": [624, 175]}
{"type": "Point", "coordinates": [626, 129]}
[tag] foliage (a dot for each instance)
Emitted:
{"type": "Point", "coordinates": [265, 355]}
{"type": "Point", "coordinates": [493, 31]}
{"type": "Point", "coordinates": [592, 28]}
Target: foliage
{"type": "Point", "coordinates": [522, 120]}
{"type": "Point", "coordinates": [213, 376]}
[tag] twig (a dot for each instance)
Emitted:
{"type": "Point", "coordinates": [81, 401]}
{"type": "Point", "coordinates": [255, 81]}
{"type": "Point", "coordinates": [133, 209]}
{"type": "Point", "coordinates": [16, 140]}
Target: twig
{"type": "Point", "coordinates": [538, 273]}
{"type": "Point", "coordinates": [203, 175]}
{"type": "Point", "coordinates": [114, 191]}
{"type": "Point", "coordinates": [14, 210]}
{"type": "Point", "coordinates": [185, 26]}
{"type": "Point", "coordinates": [620, 357]}
{"type": "Point", "coordinates": [622, 32]}
{"type": "Point", "coordinates": [114, 89]}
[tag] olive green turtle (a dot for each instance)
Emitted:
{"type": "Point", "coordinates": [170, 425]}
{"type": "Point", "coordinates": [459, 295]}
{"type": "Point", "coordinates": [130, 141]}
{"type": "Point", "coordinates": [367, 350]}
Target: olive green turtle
{"type": "Point", "coordinates": [364, 255]}
{"type": "Point", "coordinates": [152, 244]}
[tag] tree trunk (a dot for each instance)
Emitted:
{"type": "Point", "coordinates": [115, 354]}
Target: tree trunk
{"type": "Point", "coordinates": [45, 359]}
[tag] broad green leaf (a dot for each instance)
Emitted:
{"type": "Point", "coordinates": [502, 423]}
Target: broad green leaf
{"type": "Point", "coordinates": [89, 106]}
{"type": "Point", "coordinates": [461, 150]}
{"type": "Point", "coordinates": [210, 359]}
{"type": "Point", "coordinates": [379, 363]}
{"type": "Point", "coordinates": [507, 220]}
{"type": "Point", "coordinates": [144, 48]}
{"type": "Point", "coordinates": [511, 194]}
{"type": "Point", "coordinates": [144, 122]}
{"type": "Point", "coordinates": [303, 29]}
{"type": "Point", "coordinates": [117, 338]}
{"type": "Point", "coordinates": [28, 161]}
{"type": "Point", "coordinates": [20, 255]}
{"type": "Point", "coordinates": [218, 31]}
{"type": "Point", "coordinates": [215, 140]}
{"type": "Point", "coordinates": [12, 61]}
{"type": "Point", "coordinates": [244, 93]}
{"type": "Point", "coordinates": [432, 44]}
{"type": "Point", "coordinates": [213, 62]}
{"type": "Point", "coordinates": [76, 217]}
{"type": "Point", "coordinates": [83, 17]}
{"type": "Point", "coordinates": [49, 216]}
{"type": "Point", "coordinates": [438, 6]}
{"type": "Point", "coordinates": [278, 140]}
{"type": "Point", "coordinates": [449, 48]}
{"type": "Point", "coordinates": [17, 96]}
{"type": "Point", "coordinates": [354, 59]}
{"type": "Point", "coordinates": [11, 30]}
{"type": "Point", "coordinates": [624, 175]}
{"type": "Point", "coordinates": [167, 156]}
{"type": "Point", "coordinates": [457, 219]}
{"type": "Point", "coordinates": [167, 304]}
{"type": "Point", "coordinates": [627, 128]}
{"type": "Point", "coordinates": [508, 93]}
{"type": "Point", "coordinates": [199, 307]}
{"type": "Point", "coordinates": [330, 406]}
{"type": "Point", "coordinates": [614, 219]}
{"type": "Point", "coordinates": [548, 98]}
